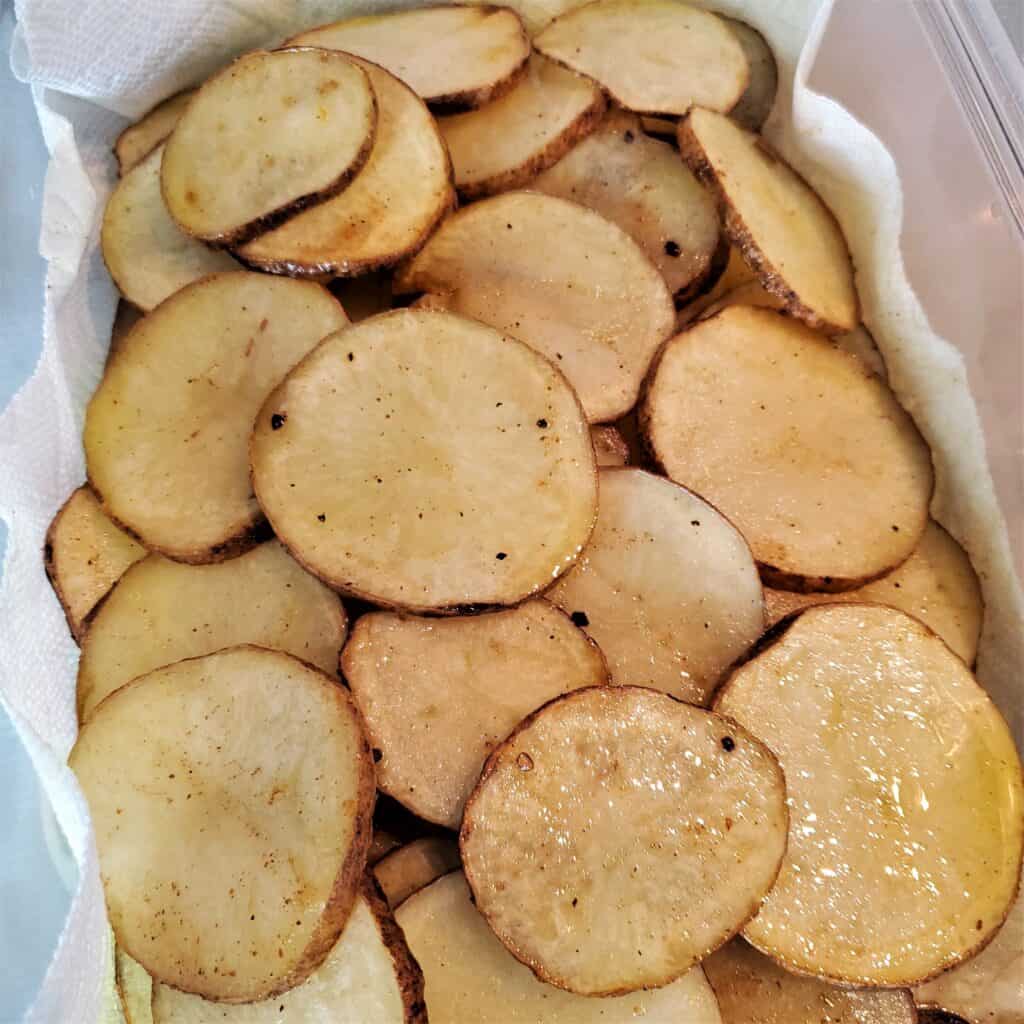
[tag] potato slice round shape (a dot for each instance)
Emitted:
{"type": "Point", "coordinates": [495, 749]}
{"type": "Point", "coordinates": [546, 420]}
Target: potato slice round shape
{"type": "Point", "coordinates": [424, 461]}
{"type": "Point", "coordinates": [136, 988]}
{"type": "Point", "coordinates": [470, 976]}
{"type": "Point", "coordinates": [619, 836]}
{"type": "Point", "coordinates": [804, 449]}
{"type": "Point", "coordinates": [904, 790]}
{"type": "Point", "coordinates": [231, 797]}
{"type": "Point", "coordinates": [163, 611]}
{"type": "Point", "coordinates": [414, 866]}
{"type": "Point", "coordinates": [667, 586]}
{"type": "Point", "coordinates": [599, 312]}
{"type": "Point", "coordinates": [388, 211]}
{"type": "Point", "coordinates": [268, 135]}
{"type": "Point", "coordinates": [786, 233]}
{"type": "Point", "coordinates": [610, 447]}
{"type": "Point", "coordinates": [437, 697]}
{"type": "Point", "coordinates": [167, 429]}
{"type": "Point", "coordinates": [454, 57]}
{"type": "Point", "coordinates": [138, 140]}
{"type": "Point", "coordinates": [757, 101]}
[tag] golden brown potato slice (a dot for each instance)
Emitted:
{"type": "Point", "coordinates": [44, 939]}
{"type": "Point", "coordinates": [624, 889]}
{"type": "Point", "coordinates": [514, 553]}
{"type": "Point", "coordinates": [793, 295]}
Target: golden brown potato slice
{"type": "Point", "coordinates": [439, 696]}
{"type": "Point", "coordinates": [660, 127]}
{"type": "Point", "coordinates": [470, 976]}
{"type": "Point", "coordinates": [599, 312]}
{"type": "Point", "coordinates": [387, 212]}
{"type": "Point", "coordinates": [422, 460]}
{"type": "Point", "coordinates": [136, 988]}
{"type": "Point", "coordinates": [667, 586]}
{"type": "Point", "coordinates": [138, 140]}
{"type": "Point", "coordinates": [904, 790]}
{"type": "Point", "coordinates": [610, 447]}
{"type": "Point", "coordinates": [454, 57]}
{"type": "Point", "coordinates": [618, 837]}
{"type": "Point", "coordinates": [806, 451]}
{"type": "Point", "coordinates": [231, 797]}
{"type": "Point", "coordinates": [756, 103]}
{"type": "Point", "coordinates": [167, 429]}
{"type": "Point", "coordinates": [786, 233]}
{"type": "Point", "coordinates": [268, 135]}
{"type": "Point", "coordinates": [414, 866]}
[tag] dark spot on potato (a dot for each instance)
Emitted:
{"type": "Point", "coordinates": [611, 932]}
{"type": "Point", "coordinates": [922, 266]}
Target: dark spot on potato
{"type": "Point", "coordinates": [895, 528]}
{"type": "Point", "coordinates": [695, 522]}
{"type": "Point", "coordinates": [351, 357]}
{"type": "Point", "coordinates": [672, 248]}
{"type": "Point", "coordinates": [322, 518]}
{"type": "Point", "coordinates": [629, 136]}
{"type": "Point", "coordinates": [542, 423]}
{"type": "Point", "coordinates": [580, 619]}
{"type": "Point", "coordinates": [378, 755]}
{"type": "Point", "coordinates": [728, 744]}
{"type": "Point", "coordinates": [277, 420]}
{"type": "Point", "coordinates": [524, 763]}
{"type": "Point", "coordinates": [575, 901]}
{"type": "Point", "coordinates": [501, 556]}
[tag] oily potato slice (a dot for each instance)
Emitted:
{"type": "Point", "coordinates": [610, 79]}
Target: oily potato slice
{"type": "Point", "coordinates": [470, 976]}
{"type": "Point", "coordinates": [610, 447]}
{"type": "Point", "coordinates": [905, 797]}
{"type": "Point", "coordinates": [619, 836]}
{"type": "Point", "coordinates": [414, 866]}
{"type": "Point", "coordinates": [268, 135]}
{"type": "Point", "coordinates": [163, 611]}
{"type": "Point", "coordinates": [138, 140]}
{"type": "Point", "coordinates": [599, 312]}
{"type": "Point", "coordinates": [757, 101]}
{"type": "Point", "coordinates": [667, 586]}
{"type": "Point", "coordinates": [166, 431]}
{"type": "Point", "coordinates": [804, 449]}
{"type": "Point", "coordinates": [437, 697]}
{"type": "Point", "coordinates": [784, 230]}
{"type": "Point", "coordinates": [424, 461]}
{"type": "Point", "coordinates": [231, 797]}
{"type": "Point", "coordinates": [136, 988]}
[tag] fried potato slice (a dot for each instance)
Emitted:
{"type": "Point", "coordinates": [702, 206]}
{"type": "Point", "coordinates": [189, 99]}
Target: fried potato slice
{"type": "Point", "coordinates": [414, 866]}
{"type": "Point", "coordinates": [231, 796]}
{"type": "Point", "coordinates": [421, 460]}
{"type": "Point", "coordinates": [437, 697]}
{"type": "Point", "coordinates": [807, 452]}
{"type": "Point", "coordinates": [136, 988]}
{"type": "Point", "coordinates": [388, 211]}
{"type": "Point", "coordinates": [652, 56]}
{"type": "Point", "coordinates": [667, 586]}
{"type": "Point", "coordinates": [786, 233]}
{"type": "Point", "coordinates": [905, 797]}
{"type": "Point", "coordinates": [660, 127]}
{"type": "Point", "coordinates": [268, 135]}
{"type": "Point", "coordinates": [610, 447]}
{"type": "Point", "coordinates": [618, 837]}
{"type": "Point", "coordinates": [757, 101]}
{"type": "Point", "coordinates": [112, 1008]}
{"type": "Point", "coordinates": [454, 57]}
{"type": "Point", "coordinates": [470, 976]}
{"type": "Point", "coordinates": [166, 431]}
{"type": "Point", "coordinates": [599, 312]}
{"type": "Point", "coordinates": [732, 275]}
{"type": "Point", "coordinates": [138, 140]}
{"type": "Point", "coordinates": [163, 611]}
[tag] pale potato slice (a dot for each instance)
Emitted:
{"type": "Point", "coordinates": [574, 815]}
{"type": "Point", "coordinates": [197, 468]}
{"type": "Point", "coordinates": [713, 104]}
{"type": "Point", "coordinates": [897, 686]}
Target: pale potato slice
{"type": "Point", "coordinates": [806, 451]}
{"type": "Point", "coordinates": [268, 135]}
{"type": "Point", "coordinates": [148, 255]}
{"type": "Point", "coordinates": [163, 611]}
{"type": "Point", "coordinates": [504, 144]}
{"type": "Point", "coordinates": [470, 976]}
{"type": "Point", "coordinates": [610, 447]}
{"type": "Point", "coordinates": [454, 57]}
{"type": "Point", "coordinates": [599, 312]}
{"type": "Point", "coordinates": [667, 586]}
{"type": "Point", "coordinates": [388, 211]}
{"type": "Point", "coordinates": [439, 696]}
{"type": "Point", "coordinates": [652, 56]}
{"type": "Point", "coordinates": [756, 103]}
{"type": "Point", "coordinates": [905, 797]}
{"type": "Point", "coordinates": [538, 14]}
{"type": "Point", "coordinates": [166, 431]}
{"type": "Point", "coordinates": [422, 460]}
{"type": "Point", "coordinates": [786, 233]}
{"type": "Point", "coordinates": [618, 837]}
{"type": "Point", "coordinates": [642, 185]}
{"type": "Point", "coordinates": [85, 554]}
{"type": "Point", "coordinates": [112, 1008]}
{"type": "Point", "coordinates": [138, 140]}
{"type": "Point", "coordinates": [364, 296]}
{"type": "Point", "coordinates": [231, 797]}
{"type": "Point", "coordinates": [136, 988]}
{"type": "Point", "coordinates": [414, 866]}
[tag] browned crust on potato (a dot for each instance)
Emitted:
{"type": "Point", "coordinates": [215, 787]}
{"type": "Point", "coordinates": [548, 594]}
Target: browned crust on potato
{"type": "Point", "coordinates": [702, 284]}
{"type": "Point", "coordinates": [120, 142]}
{"type": "Point", "coordinates": [50, 565]}
{"type": "Point", "coordinates": [746, 112]}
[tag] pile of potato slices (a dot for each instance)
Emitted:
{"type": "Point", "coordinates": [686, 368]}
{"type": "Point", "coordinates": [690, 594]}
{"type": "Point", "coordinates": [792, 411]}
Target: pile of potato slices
{"type": "Point", "coordinates": [505, 582]}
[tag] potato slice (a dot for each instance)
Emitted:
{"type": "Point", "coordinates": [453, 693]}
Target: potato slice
{"type": "Point", "coordinates": [732, 275]}
{"type": "Point", "coordinates": [642, 185]}
{"type": "Point", "coordinates": [599, 311]}
{"type": "Point", "coordinates": [660, 127]}
{"type": "Point", "coordinates": [126, 317]}
{"type": "Point", "coordinates": [667, 586]}
{"type": "Point", "coordinates": [439, 696]}
{"type": "Point", "coordinates": [454, 57]}
{"type": "Point", "coordinates": [388, 211]}
{"type": "Point", "coordinates": [905, 797]}
{"type": "Point", "coordinates": [112, 1008]}
{"type": "Point", "coordinates": [381, 845]}
{"type": "Point", "coordinates": [652, 56]}
{"type": "Point", "coordinates": [414, 866]}
{"type": "Point", "coordinates": [809, 454]}
{"type": "Point", "coordinates": [756, 103]}
{"type": "Point", "coordinates": [138, 140]}
{"type": "Point", "coordinates": [231, 797]}
{"type": "Point", "coordinates": [470, 976]}
{"type": "Point", "coordinates": [610, 447]}
{"type": "Point", "coordinates": [268, 135]}
{"type": "Point", "coordinates": [162, 611]}
{"type": "Point", "coordinates": [85, 554]}
{"type": "Point", "coordinates": [787, 234]}
{"type": "Point", "coordinates": [369, 976]}
{"type": "Point", "coordinates": [136, 988]}
{"type": "Point", "coordinates": [503, 145]}
{"type": "Point", "coordinates": [618, 837]}
{"type": "Point", "coordinates": [421, 460]}
{"type": "Point", "coordinates": [166, 431]}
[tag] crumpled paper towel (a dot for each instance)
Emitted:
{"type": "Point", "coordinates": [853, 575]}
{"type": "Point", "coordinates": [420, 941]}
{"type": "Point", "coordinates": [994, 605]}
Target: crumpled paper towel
{"type": "Point", "coordinates": [91, 61]}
